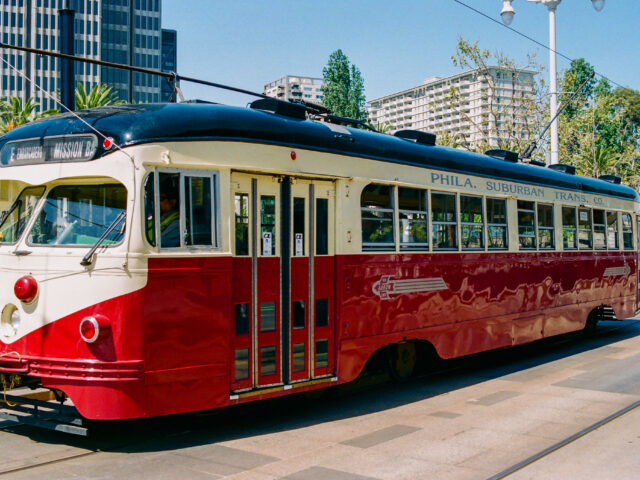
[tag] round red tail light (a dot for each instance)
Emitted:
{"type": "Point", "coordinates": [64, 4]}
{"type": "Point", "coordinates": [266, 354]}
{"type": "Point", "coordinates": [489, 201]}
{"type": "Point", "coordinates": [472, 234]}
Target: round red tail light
{"type": "Point", "coordinates": [94, 327]}
{"type": "Point", "coordinates": [26, 289]}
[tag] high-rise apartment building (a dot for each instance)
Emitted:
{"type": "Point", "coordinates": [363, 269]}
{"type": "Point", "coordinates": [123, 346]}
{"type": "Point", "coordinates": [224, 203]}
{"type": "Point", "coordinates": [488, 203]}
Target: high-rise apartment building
{"type": "Point", "coordinates": [486, 100]}
{"type": "Point", "coordinates": [122, 31]}
{"type": "Point", "coordinates": [291, 88]}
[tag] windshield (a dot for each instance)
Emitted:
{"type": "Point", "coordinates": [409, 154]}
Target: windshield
{"type": "Point", "coordinates": [78, 215]}
{"type": "Point", "coordinates": [19, 214]}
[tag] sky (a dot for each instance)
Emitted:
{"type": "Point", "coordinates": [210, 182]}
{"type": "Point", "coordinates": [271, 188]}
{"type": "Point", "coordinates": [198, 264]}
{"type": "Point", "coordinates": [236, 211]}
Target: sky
{"type": "Point", "coordinates": [395, 44]}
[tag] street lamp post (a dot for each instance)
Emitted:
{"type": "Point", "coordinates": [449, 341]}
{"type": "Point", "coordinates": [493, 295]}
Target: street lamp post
{"type": "Point", "coordinates": [507, 15]}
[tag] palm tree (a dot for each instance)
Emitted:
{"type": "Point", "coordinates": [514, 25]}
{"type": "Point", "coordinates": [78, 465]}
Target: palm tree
{"type": "Point", "coordinates": [599, 161]}
{"type": "Point", "coordinates": [14, 113]}
{"type": "Point", "coordinates": [99, 96]}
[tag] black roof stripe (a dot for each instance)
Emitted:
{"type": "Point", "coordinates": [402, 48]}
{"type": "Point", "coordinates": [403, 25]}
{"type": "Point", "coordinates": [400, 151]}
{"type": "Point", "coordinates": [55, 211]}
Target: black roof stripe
{"type": "Point", "coordinates": [144, 123]}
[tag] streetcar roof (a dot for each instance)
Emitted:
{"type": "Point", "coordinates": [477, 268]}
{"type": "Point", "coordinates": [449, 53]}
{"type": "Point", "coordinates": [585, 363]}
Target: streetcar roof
{"type": "Point", "coordinates": [146, 123]}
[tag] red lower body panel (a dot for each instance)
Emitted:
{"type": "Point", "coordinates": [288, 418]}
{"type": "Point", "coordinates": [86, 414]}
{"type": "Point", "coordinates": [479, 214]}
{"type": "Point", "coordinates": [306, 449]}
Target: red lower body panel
{"type": "Point", "coordinates": [169, 346]}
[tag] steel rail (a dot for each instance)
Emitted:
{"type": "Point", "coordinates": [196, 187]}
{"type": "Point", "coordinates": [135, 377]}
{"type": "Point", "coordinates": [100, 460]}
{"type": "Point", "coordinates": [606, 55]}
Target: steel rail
{"type": "Point", "coordinates": [563, 443]}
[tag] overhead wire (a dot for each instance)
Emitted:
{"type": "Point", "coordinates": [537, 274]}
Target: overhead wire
{"type": "Point", "coordinates": [58, 102]}
{"type": "Point", "coordinates": [517, 32]}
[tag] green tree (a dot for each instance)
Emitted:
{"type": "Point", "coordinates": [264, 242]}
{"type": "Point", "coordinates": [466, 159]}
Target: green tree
{"type": "Point", "coordinates": [578, 73]}
{"type": "Point", "coordinates": [343, 87]}
{"type": "Point", "coordinates": [14, 113]}
{"type": "Point", "coordinates": [602, 137]}
{"type": "Point", "coordinates": [99, 96]}
{"type": "Point", "coordinates": [382, 127]}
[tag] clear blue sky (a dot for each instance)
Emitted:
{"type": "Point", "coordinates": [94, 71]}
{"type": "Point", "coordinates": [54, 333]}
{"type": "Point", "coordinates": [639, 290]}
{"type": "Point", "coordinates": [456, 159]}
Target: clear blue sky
{"type": "Point", "coordinates": [396, 44]}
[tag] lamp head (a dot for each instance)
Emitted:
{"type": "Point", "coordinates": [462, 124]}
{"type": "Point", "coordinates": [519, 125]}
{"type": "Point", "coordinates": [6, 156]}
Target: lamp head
{"type": "Point", "coordinates": [508, 12]}
{"type": "Point", "coordinates": [598, 4]}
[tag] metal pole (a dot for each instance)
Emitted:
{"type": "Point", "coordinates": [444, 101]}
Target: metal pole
{"type": "Point", "coordinates": [67, 46]}
{"type": "Point", "coordinates": [553, 104]}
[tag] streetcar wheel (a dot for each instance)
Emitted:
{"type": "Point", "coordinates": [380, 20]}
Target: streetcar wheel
{"type": "Point", "coordinates": [590, 325]}
{"type": "Point", "coordinates": [401, 360]}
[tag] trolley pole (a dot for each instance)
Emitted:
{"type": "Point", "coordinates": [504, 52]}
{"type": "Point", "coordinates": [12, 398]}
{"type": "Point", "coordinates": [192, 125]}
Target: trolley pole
{"type": "Point", "coordinates": [67, 46]}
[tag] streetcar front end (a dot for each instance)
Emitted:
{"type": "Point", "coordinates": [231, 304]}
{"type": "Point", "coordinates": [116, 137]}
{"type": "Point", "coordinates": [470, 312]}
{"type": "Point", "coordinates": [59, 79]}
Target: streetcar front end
{"type": "Point", "coordinates": [68, 278]}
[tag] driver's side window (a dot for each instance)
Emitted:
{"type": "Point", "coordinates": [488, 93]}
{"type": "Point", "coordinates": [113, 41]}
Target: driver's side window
{"type": "Point", "coordinates": [182, 213]}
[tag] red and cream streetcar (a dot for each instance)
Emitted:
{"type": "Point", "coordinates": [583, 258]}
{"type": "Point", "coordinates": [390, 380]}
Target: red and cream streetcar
{"type": "Point", "coordinates": [218, 255]}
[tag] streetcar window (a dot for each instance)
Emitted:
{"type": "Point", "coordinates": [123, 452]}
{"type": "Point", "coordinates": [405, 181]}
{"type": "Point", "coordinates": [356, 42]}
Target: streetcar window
{"type": "Point", "coordinates": [443, 221]}
{"type": "Point", "coordinates": [526, 225]}
{"type": "Point", "coordinates": [545, 227]}
{"type": "Point", "coordinates": [169, 210]}
{"type": "Point", "coordinates": [242, 364]}
{"type": "Point", "coordinates": [569, 228]}
{"type": "Point", "coordinates": [612, 230]}
{"type": "Point", "coordinates": [242, 319]}
{"type": "Point", "coordinates": [599, 230]}
{"type": "Point", "coordinates": [322, 226]}
{"type": "Point", "coordinates": [299, 362]}
{"type": "Point", "coordinates": [19, 214]}
{"type": "Point", "coordinates": [187, 210]}
{"type": "Point", "coordinates": [198, 192]}
{"type": "Point", "coordinates": [412, 206]}
{"type": "Point", "coordinates": [299, 316]}
{"type": "Point", "coordinates": [497, 223]}
{"type": "Point", "coordinates": [78, 215]}
{"type": "Point", "coordinates": [627, 232]}
{"type": "Point", "coordinates": [150, 209]}
{"type": "Point", "coordinates": [241, 201]}
{"type": "Point", "coordinates": [322, 312]}
{"type": "Point", "coordinates": [268, 317]}
{"type": "Point", "coordinates": [584, 228]}
{"type": "Point", "coordinates": [268, 224]}
{"type": "Point", "coordinates": [268, 360]}
{"type": "Point", "coordinates": [377, 217]}
{"type": "Point", "coordinates": [298, 226]}
{"type": "Point", "coordinates": [322, 353]}
{"type": "Point", "coordinates": [472, 222]}
{"type": "Point", "coordinates": [4, 190]}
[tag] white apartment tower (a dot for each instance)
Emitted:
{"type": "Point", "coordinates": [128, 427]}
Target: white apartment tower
{"type": "Point", "coordinates": [425, 107]}
{"type": "Point", "coordinates": [292, 88]}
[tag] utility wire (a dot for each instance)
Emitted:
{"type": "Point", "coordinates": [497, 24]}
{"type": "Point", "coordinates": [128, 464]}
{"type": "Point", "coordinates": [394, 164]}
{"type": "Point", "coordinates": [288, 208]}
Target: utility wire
{"type": "Point", "coordinates": [517, 32]}
{"type": "Point", "coordinates": [168, 75]}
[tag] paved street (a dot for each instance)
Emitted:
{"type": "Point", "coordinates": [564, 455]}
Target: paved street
{"type": "Point", "coordinates": [471, 419]}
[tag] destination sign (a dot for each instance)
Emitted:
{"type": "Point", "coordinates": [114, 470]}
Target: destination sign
{"type": "Point", "coordinates": [71, 148]}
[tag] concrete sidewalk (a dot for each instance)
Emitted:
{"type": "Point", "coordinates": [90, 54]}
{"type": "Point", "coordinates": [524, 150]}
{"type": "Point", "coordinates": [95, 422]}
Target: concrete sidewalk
{"type": "Point", "coordinates": [470, 423]}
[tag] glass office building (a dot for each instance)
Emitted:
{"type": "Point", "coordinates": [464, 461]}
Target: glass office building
{"type": "Point", "coordinates": [122, 31]}
{"type": "Point", "coordinates": [169, 61]}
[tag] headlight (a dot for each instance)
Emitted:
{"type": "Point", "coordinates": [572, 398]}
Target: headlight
{"type": "Point", "coordinates": [15, 319]}
{"type": "Point", "coordinates": [10, 321]}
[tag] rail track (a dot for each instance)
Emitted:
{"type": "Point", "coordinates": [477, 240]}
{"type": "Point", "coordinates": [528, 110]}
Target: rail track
{"type": "Point", "coordinates": [108, 438]}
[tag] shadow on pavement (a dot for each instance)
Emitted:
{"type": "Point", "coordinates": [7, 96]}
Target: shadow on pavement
{"type": "Point", "coordinates": [372, 392]}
